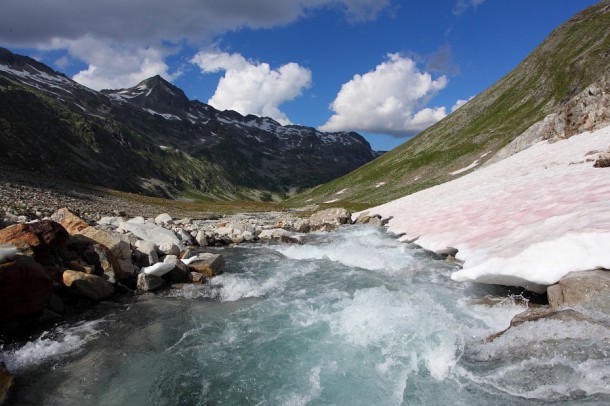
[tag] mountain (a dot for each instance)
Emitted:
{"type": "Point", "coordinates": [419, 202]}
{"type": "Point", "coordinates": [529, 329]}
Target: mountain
{"type": "Point", "coordinates": [560, 89]}
{"type": "Point", "coordinates": [152, 139]}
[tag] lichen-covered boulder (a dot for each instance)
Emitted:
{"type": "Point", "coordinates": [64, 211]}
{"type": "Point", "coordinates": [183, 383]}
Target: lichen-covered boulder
{"type": "Point", "coordinates": [329, 219]}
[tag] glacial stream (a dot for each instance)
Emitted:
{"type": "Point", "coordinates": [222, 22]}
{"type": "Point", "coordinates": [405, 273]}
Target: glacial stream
{"type": "Point", "coordinates": [349, 318]}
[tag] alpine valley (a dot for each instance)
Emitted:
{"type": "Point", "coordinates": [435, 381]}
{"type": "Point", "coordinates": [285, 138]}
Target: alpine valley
{"type": "Point", "coordinates": [151, 139]}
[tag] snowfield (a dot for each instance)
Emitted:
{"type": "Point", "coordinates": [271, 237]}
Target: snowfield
{"type": "Point", "coordinates": [525, 221]}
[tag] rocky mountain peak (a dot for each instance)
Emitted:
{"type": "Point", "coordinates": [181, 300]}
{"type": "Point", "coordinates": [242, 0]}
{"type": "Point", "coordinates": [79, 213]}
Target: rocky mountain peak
{"type": "Point", "coordinates": [156, 94]}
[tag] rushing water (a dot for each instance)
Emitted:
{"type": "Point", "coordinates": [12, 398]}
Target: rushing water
{"type": "Point", "coordinates": [350, 318]}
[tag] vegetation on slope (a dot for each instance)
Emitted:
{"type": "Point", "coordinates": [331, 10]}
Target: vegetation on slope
{"type": "Point", "coordinates": [572, 57]}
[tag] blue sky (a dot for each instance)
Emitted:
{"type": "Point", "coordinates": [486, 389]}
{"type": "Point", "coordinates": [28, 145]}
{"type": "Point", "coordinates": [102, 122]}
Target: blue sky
{"type": "Point", "coordinates": [384, 68]}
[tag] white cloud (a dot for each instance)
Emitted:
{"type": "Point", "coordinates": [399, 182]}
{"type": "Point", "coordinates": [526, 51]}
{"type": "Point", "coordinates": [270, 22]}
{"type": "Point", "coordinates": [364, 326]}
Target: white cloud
{"type": "Point", "coordinates": [129, 34]}
{"type": "Point", "coordinates": [459, 103]}
{"type": "Point", "coordinates": [111, 66]}
{"type": "Point", "coordinates": [461, 6]}
{"type": "Point", "coordinates": [251, 87]}
{"type": "Point", "coordinates": [389, 100]}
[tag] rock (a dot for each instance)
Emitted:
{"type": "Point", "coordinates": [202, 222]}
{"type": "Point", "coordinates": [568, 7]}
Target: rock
{"type": "Point", "coordinates": [90, 286]}
{"type": "Point", "coordinates": [281, 235]}
{"type": "Point", "coordinates": [149, 251]}
{"type": "Point", "coordinates": [208, 264]}
{"type": "Point", "coordinates": [25, 288]}
{"type": "Point", "coordinates": [117, 243]}
{"type": "Point", "coordinates": [110, 221]}
{"type": "Point", "coordinates": [196, 277]}
{"type": "Point", "coordinates": [7, 252]}
{"type": "Point", "coordinates": [162, 219]}
{"type": "Point", "coordinates": [148, 282]}
{"type": "Point", "coordinates": [589, 289]}
{"type": "Point", "coordinates": [329, 219]}
{"type": "Point", "coordinates": [6, 383]}
{"type": "Point", "coordinates": [70, 221]}
{"type": "Point", "coordinates": [42, 237]}
{"type": "Point", "coordinates": [531, 315]}
{"type": "Point", "coordinates": [603, 161]}
{"type": "Point", "coordinates": [109, 264]}
{"type": "Point", "coordinates": [179, 272]}
{"type": "Point", "coordinates": [202, 238]}
{"type": "Point", "coordinates": [151, 232]}
{"type": "Point", "coordinates": [248, 236]}
{"type": "Point", "coordinates": [169, 249]}
{"type": "Point", "coordinates": [185, 237]}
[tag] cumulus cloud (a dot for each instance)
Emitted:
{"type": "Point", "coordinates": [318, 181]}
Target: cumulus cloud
{"type": "Point", "coordinates": [129, 35]}
{"type": "Point", "coordinates": [252, 87]}
{"type": "Point", "coordinates": [389, 100]}
{"type": "Point", "coordinates": [461, 6]}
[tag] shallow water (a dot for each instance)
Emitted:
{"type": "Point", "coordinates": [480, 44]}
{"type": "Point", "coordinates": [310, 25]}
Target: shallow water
{"type": "Point", "coordinates": [350, 318]}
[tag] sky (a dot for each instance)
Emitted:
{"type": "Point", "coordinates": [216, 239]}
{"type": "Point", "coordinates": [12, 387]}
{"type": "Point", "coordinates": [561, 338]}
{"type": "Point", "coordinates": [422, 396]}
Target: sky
{"type": "Point", "coordinates": [385, 68]}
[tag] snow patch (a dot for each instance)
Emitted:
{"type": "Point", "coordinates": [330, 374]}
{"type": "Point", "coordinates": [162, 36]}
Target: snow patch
{"type": "Point", "coordinates": [341, 191]}
{"type": "Point", "coordinates": [331, 201]}
{"type": "Point", "coordinates": [527, 220]}
{"type": "Point", "coordinates": [380, 184]}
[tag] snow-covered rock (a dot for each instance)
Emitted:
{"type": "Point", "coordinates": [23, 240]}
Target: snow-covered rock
{"type": "Point", "coordinates": [527, 220]}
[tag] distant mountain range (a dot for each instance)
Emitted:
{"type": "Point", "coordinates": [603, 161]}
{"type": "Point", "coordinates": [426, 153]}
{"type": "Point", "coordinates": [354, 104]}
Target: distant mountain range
{"type": "Point", "coordinates": [152, 139]}
{"type": "Point", "coordinates": [560, 89]}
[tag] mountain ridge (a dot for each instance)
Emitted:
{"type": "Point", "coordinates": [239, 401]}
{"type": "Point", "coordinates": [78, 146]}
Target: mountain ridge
{"type": "Point", "coordinates": [152, 139]}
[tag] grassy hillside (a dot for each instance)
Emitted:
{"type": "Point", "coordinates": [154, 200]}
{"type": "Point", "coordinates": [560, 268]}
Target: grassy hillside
{"type": "Point", "coordinates": [572, 57]}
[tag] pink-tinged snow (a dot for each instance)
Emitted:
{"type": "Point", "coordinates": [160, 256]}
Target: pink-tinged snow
{"type": "Point", "coordinates": [525, 221]}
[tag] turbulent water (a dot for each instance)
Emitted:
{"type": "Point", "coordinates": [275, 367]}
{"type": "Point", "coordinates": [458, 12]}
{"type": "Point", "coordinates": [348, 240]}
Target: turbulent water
{"type": "Point", "coordinates": [349, 318]}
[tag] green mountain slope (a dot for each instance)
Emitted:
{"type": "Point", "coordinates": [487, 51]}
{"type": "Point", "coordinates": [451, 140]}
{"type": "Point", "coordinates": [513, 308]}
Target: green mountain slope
{"type": "Point", "coordinates": [572, 57]}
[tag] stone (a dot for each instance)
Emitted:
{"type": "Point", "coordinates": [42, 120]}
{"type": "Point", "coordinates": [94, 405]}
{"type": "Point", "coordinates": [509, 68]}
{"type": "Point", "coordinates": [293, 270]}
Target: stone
{"type": "Point", "coordinates": [179, 273]}
{"type": "Point", "coordinates": [149, 283]}
{"type": "Point", "coordinates": [25, 288]}
{"type": "Point", "coordinates": [208, 264]}
{"type": "Point", "coordinates": [42, 237]}
{"type": "Point", "coordinates": [196, 277]}
{"type": "Point", "coordinates": [110, 221]}
{"type": "Point", "coordinates": [248, 236]}
{"type": "Point", "coordinates": [185, 237]}
{"type": "Point", "coordinates": [151, 232]}
{"type": "Point", "coordinates": [329, 219]}
{"type": "Point", "coordinates": [281, 235]}
{"type": "Point", "coordinates": [202, 238]}
{"type": "Point", "coordinates": [531, 315]}
{"type": "Point", "coordinates": [117, 243]}
{"type": "Point", "coordinates": [90, 286]}
{"type": "Point", "coordinates": [163, 219]}
{"type": "Point", "coordinates": [169, 249]}
{"type": "Point", "coordinates": [109, 264]}
{"type": "Point", "coordinates": [589, 289]}
{"type": "Point", "coordinates": [149, 250]}
{"type": "Point", "coordinates": [6, 383]}
{"type": "Point", "coordinates": [70, 221]}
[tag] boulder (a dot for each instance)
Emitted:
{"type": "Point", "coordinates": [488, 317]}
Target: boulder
{"type": "Point", "coordinates": [589, 289]}
{"type": "Point", "coordinates": [196, 277]}
{"type": "Point", "coordinates": [109, 264]}
{"type": "Point", "coordinates": [25, 287]}
{"type": "Point", "coordinates": [41, 237]}
{"type": "Point", "coordinates": [150, 232]}
{"type": "Point", "coordinates": [70, 221]}
{"type": "Point", "coordinates": [207, 264]}
{"type": "Point", "coordinates": [7, 252]}
{"type": "Point", "coordinates": [117, 243]}
{"type": "Point", "coordinates": [90, 286]}
{"type": "Point", "coordinates": [202, 238]}
{"type": "Point", "coordinates": [149, 252]}
{"type": "Point", "coordinates": [179, 272]}
{"type": "Point", "coordinates": [329, 219]}
{"type": "Point", "coordinates": [6, 383]}
{"type": "Point", "coordinates": [163, 219]}
{"type": "Point", "coordinates": [531, 315]}
{"type": "Point", "coordinates": [148, 282]}
{"type": "Point", "coordinates": [282, 235]}
{"type": "Point", "coordinates": [169, 249]}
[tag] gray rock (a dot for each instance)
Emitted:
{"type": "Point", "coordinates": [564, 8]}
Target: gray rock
{"type": "Point", "coordinates": [201, 238]}
{"type": "Point", "coordinates": [117, 243]}
{"type": "Point", "coordinates": [163, 219]}
{"type": "Point", "coordinates": [149, 250]}
{"type": "Point", "coordinates": [149, 283]}
{"type": "Point", "coordinates": [90, 286]}
{"type": "Point", "coordinates": [329, 219]}
{"type": "Point", "coordinates": [151, 232]}
{"type": "Point", "coordinates": [589, 289]}
{"type": "Point", "coordinates": [180, 272]}
{"type": "Point", "coordinates": [169, 249]}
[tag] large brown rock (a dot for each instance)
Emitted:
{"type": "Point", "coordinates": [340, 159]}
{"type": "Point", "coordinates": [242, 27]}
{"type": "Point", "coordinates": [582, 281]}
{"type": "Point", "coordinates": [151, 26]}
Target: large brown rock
{"type": "Point", "coordinates": [25, 288]}
{"type": "Point", "coordinates": [70, 221]}
{"type": "Point", "coordinates": [589, 289]}
{"type": "Point", "coordinates": [208, 264]}
{"type": "Point", "coordinates": [90, 286]}
{"type": "Point", "coordinates": [42, 237]}
{"type": "Point", "coordinates": [329, 219]}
